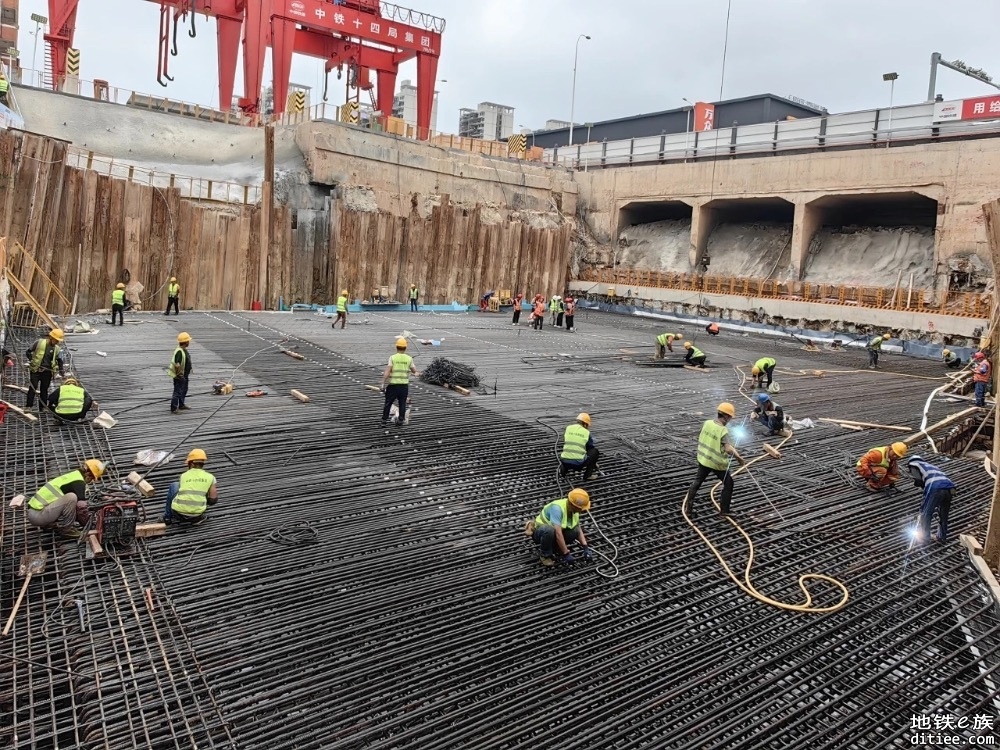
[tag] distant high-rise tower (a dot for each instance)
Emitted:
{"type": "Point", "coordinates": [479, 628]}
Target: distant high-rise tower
{"type": "Point", "coordinates": [9, 18]}
{"type": "Point", "coordinates": [404, 105]}
{"type": "Point", "coordinates": [488, 122]}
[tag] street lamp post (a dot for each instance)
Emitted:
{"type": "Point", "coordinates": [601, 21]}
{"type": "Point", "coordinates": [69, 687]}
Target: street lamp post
{"type": "Point", "coordinates": [572, 103]}
{"type": "Point", "coordinates": [891, 78]}
{"type": "Point", "coordinates": [687, 128]}
{"type": "Point", "coordinates": [39, 22]}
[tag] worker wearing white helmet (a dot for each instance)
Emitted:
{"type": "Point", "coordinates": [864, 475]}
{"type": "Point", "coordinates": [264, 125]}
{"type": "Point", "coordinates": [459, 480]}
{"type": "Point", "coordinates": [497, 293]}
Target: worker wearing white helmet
{"type": "Point", "coordinates": [62, 502]}
{"type": "Point", "coordinates": [396, 382]}
{"type": "Point", "coordinates": [715, 455]}
{"type": "Point", "coordinates": [180, 371]}
{"type": "Point", "coordinates": [558, 525]}
{"type": "Point", "coordinates": [951, 360]}
{"type": "Point", "coordinates": [173, 296]}
{"type": "Point", "coordinates": [44, 356]}
{"type": "Point", "coordinates": [579, 452]}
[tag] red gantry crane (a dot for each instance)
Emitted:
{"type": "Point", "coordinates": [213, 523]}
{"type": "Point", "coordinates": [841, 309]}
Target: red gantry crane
{"type": "Point", "coordinates": [365, 35]}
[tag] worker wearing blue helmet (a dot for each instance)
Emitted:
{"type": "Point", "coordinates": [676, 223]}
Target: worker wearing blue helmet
{"type": "Point", "coordinates": [770, 414]}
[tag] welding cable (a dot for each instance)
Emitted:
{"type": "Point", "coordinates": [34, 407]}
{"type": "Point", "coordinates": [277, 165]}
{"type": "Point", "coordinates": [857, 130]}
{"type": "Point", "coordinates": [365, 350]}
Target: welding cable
{"type": "Point", "coordinates": [297, 534]}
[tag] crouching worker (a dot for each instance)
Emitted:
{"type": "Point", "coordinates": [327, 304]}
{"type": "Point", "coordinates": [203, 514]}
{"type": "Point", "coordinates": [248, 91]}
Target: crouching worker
{"type": "Point", "coordinates": [579, 452]}
{"type": "Point", "coordinates": [61, 502]}
{"type": "Point", "coordinates": [70, 401]}
{"type": "Point", "coordinates": [189, 497]}
{"type": "Point", "coordinates": [880, 466]}
{"type": "Point", "coordinates": [557, 525]}
{"type": "Point", "coordinates": [770, 414]}
{"type": "Point", "coordinates": [951, 360]}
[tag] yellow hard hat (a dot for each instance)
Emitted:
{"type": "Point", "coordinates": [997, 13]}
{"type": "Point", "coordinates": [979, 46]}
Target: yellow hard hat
{"type": "Point", "coordinates": [71, 381]}
{"type": "Point", "coordinates": [583, 417]}
{"type": "Point", "coordinates": [56, 334]}
{"type": "Point", "coordinates": [687, 344]}
{"type": "Point", "coordinates": [173, 279]}
{"type": "Point", "coordinates": [400, 343]}
{"type": "Point", "coordinates": [755, 370]}
{"type": "Point", "coordinates": [344, 292]}
{"type": "Point", "coordinates": [183, 337]}
{"type": "Point", "coordinates": [95, 467]}
{"type": "Point", "coordinates": [579, 499]}
{"type": "Point", "coordinates": [899, 449]}
{"type": "Point", "coordinates": [727, 408]}
{"type": "Point", "coordinates": [196, 454]}
{"type": "Point", "coordinates": [887, 335]}
{"type": "Point", "coordinates": [119, 285]}
{"type": "Point", "coordinates": [946, 352]}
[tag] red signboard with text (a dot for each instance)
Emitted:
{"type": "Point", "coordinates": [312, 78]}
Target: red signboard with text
{"type": "Point", "coordinates": [982, 108]}
{"type": "Point", "coordinates": [704, 116]}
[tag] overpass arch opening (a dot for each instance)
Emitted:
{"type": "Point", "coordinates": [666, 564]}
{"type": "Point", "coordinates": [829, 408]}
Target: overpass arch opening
{"type": "Point", "coordinates": [745, 237]}
{"type": "Point", "coordinates": [655, 235]}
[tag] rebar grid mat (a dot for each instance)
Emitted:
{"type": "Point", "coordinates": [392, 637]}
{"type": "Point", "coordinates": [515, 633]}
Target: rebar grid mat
{"type": "Point", "coordinates": [419, 617]}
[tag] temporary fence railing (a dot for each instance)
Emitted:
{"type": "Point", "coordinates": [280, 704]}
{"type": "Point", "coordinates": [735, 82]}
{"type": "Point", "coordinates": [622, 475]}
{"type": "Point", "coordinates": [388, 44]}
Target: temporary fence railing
{"type": "Point", "coordinates": [964, 304]}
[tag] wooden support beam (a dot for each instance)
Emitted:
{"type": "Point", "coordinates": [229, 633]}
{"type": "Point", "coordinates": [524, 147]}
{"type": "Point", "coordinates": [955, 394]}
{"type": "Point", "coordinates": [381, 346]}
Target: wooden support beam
{"type": "Point", "coordinates": [698, 369]}
{"type": "Point", "coordinates": [293, 355]}
{"type": "Point", "coordinates": [299, 395]}
{"type": "Point", "coordinates": [943, 423]}
{"type": "Point", "coordinates": [20, 412]}
{"type": "Point", "coordinates": [991, 550]}
{"type": "Point", "coordinates": [144, 530]}
{"type": "Point", "coordinates": [976, 556]}
{"type": "Point", "coordinates": [872, 425]}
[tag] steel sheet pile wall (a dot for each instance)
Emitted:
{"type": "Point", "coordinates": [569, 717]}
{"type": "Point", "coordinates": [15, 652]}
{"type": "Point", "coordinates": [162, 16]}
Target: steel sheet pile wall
{"type": "Point", "coordinates": [361, 587]}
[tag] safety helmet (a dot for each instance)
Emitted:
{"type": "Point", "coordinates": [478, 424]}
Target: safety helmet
{"type": "Point", "coordinates": [583, 417]}
{"type": "Point", "coordinates": [887, 335]}
{"type": "Point", "coordinates": [71, 381]}
{"type": "Point", "coordinates": [173, 279]}
{"type": "Point", "coordinates": [755, 370]}
{"type": "Point", "coordinates": [400, 343]}
{"type": "Point", "coordinates": [119, 285]}
{"type": "Point", "coordinates": [56, 334]}
{"type": "Point", "coordinates": [579, 499]}
{"type": "Point", "coordinates": [183, 337]}
{"type": "Point", "coordinates": [915, 458]}
{"type": "Point", "coordinates": [946, 352]}
{"type": "Point", "coordinates": [763, 398]}
{"type": "Point", "coordinates": [344, 292]}
{"type": "Point", "coordinates": [727, 408]}
{"type": "Point", "coordinates": [979, 355]}
{"type": "Point", "coordinates": [412, 284]}
{"type": "Point", "coordinates": [687, 344]}
{"type": "Point", "coordinates": [95, 467]}
{"type": "Point", "coordinates": [899, 449]}
{"type": "Point", "coordinates": [197, 454]}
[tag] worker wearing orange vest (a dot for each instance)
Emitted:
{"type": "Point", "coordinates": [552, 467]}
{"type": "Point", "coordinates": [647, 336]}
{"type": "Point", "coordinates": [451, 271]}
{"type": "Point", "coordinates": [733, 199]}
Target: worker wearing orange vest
{"type": "Point", "coordinates": [570, 306]}
{"type": "Point", "coordinates": [517, 308]}
{"type": "Point", "coordinates": [538, 313]}
{"type": "Point", "coordinates": [712, 329]}
{"type": "Point", "coordinates": [982, 370]}
{"type": "Point", "coordinates": [880, 466]}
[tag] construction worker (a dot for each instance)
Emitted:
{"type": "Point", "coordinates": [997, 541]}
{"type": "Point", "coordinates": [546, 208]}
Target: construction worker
{"type": "Point", "coordinates": [579, 452]}
{"type": "Point", "coordinates": [558, 524]}
{"type": "Point", "coordinates": [770, 414]}
{"type": "Point", "coordinates": [118, 304]}
{"type": "Point", "coordinates": [538, 314]}
{"type": "Point", "coordinates": [4, 88]}
{"type": "Point", "coordinates": [43, 356]}
{"type": "Point", "coordinates": [875, 347]}
{"type": "Point", "coordinates": [951, 360]}
{"type": "Point", "coordinates": [180, 371]}
{"type": "Point", "coordinates": [665, 343]}
{"type": "Point", "coordinates": [712, 329]}
{"type": "Point", "coordinates": [518, 301]}
{"type": "Point", "coordinates": [554, 309]}
{"type": "Point", "coordinates": [570, 306]}
{"type": "Point", "coordinates": [70, 401]}
{"type": "Point", "coordinates": [397, 376]}
{"type": "Point", "coordinates": [341, 310]}
{"type": "Point", "coordinates": [59, 502]}
{"type": "Point", "coordinates": [880, 466]}
{"type": "Point", "coordinates": [173, 296]}
{"type": "Point", "coordinates": [414, 296]}
{"type": "Point", "coordinates": [715, 453]}
{"type": "Point", "coordinates": [189, 497]}
{"type": "Point", "coordinates": [560, 311]}
{"type": "Point", "coordinates": [982, 370]}
{"type": "Point", "coordinates": [694, 356]}
{"type": "Point", "coordinates": [938, 490]}
{"type": "Point", "coordinates": [763, 367]}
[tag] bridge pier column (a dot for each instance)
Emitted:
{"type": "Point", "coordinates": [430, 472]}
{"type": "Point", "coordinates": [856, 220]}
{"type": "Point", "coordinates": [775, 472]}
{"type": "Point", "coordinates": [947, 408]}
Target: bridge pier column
{"type": "Point", "coordinates": [804, 226]}
{"type": "Point", "coordinates": [703, 219]}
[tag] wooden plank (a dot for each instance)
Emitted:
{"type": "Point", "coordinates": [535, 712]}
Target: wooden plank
{"type": "Point", "coordinates": [873, 425]}
{"type": "Point", "coordinates": [145, 530]}
{"type": "Point", "coordinates": [20, 412]}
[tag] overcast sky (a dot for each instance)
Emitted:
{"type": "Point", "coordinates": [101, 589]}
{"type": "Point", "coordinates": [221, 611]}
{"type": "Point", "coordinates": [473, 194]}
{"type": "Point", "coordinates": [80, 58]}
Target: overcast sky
{"type": "Point", "coordinates": [644, 55]}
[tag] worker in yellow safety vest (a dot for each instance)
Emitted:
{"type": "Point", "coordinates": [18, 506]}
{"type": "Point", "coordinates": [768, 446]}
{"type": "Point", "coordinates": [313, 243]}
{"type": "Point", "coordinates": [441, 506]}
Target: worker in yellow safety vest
{"type": "Point", "coordinates": [62, 502]}
{"type": "Point", "coordinates": [396, 382]}
{"type": "Point", "coordinates": [557, 525]}
{"type": "Point", "coordinates": [880, 466]}
{"type": "Point", "coordinates": [180, 371]}
{"type": "Point", "coordinates": [70, 401]}
{"type": "Point", "coordinates": [4, 88]}
{"type": "Point", "coordinates": [118, 304]}
{"type": "Point", "coordinates": [44, 356]}
{"type": "Point", "coordinates": [173, 296]}
{"type": "Point", "coordinates": [579, 452]}
{"type": "Point", "coordinates": [875, 348]}
{"type": "Point", "coordinates": [695, 356]}
{"type": "Point", "coordinates": [341, 310]}
{"type": "Point", "coordinates": [951, 360]}
{"type": "Point", "coordinates": [715, 454]}
{"type": "Point", "coordinates": [665, 343]}
{"type": "Point", "coordinates": [189, 497]}
{"type": "Point", "coordinates": [763, 368]}
{"type": "Point", "coordinates": [414, 296]}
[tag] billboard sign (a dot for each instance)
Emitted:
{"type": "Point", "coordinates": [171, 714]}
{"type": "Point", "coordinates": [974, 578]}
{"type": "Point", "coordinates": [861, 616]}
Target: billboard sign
{"type": "Point", "coordinates": [981, 108]}
{"type": "Point", "coordinates": [704, 116]}
{"type": "Point", "coordinates": [945, 111]}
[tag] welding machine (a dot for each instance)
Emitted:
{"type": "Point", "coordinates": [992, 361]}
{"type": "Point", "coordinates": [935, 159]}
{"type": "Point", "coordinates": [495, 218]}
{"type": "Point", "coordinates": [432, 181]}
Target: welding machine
{"type": "Point", "coordinates": [116, 523]}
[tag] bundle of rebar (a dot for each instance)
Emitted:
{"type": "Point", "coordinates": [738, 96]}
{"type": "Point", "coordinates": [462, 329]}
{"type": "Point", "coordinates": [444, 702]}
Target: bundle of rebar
{"type": "Point", "coordinates": [443, 371]}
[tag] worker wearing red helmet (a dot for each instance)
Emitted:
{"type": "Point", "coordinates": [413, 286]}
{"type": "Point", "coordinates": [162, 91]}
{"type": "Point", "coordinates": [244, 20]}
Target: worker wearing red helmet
{"type": "Point", "coordinates": [569, 304]}
{"type": "Point", "coordinates": [982, 371]}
